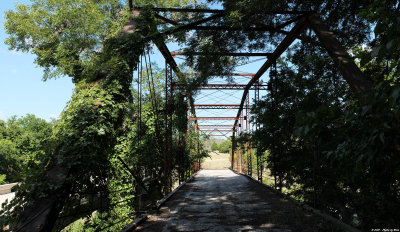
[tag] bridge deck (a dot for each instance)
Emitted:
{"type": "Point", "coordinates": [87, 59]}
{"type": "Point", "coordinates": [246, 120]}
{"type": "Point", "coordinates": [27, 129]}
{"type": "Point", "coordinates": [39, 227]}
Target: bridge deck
{"type": "Point", "coordinates": [220, 200]}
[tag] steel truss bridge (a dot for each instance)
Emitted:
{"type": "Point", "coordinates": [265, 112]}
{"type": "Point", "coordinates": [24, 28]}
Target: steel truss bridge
{"type": "Point", "coordinates": [298, 23]}
{"type": "Point", "coordinates": [292, 29]}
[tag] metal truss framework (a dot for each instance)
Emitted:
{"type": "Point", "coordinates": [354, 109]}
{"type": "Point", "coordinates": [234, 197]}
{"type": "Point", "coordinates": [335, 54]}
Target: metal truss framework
{"type": "Point", "coordinates": [227, 87]}
{"type": "Point", "coordinates": [217, 132]}
{"type": "Point", "coordinates": [217, 106]}
{"type": "Point", "coordinates": [238, 125]}
{"type": "Point", "coordinates": [301, 21]}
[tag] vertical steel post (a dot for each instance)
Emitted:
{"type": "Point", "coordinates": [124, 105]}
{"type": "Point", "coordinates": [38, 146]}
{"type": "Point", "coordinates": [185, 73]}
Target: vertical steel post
{"type": "Point", "coordinates": [248, 143]}
{"type": "Point", "coordinates": [240, 151]}
{"type": "Point", "coordinates": [274, 105]}
{"type": "Point", "coordinates": [237, 160]}
{"type": "Point", "coordinates": [189, 122]}
{"type": "Point", "coordinates": [198, 150]}
{"type": "Point", "coordinates": [170, 121]}
{"type": "Point", "coordinates": [242, 161]}
{"type": "Point", "coordinates": [233, 149]}
{"type": "Point", "coordinates": [258, 154]}
{"type": "Point", "coordinates": [169, 110]}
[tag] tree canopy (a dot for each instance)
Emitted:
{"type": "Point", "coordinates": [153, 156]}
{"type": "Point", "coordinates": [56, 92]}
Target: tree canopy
{"type": "Point", "coordinates": [23, 144]}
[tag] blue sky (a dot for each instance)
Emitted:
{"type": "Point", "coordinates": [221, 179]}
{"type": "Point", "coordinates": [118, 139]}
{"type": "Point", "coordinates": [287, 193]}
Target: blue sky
{"type": "Point", "coordinates": [21, 89]}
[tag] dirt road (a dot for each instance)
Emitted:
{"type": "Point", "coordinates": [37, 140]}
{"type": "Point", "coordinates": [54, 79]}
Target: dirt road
{"type": "Point", "coordinates": [220, 200]}
{"type": "Point", "coordinates": [216, 161]}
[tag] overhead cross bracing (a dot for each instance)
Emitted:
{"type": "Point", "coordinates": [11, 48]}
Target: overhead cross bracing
{"type": "Point", "coordinates": [222, 53]}
{"type": "Point", "coordinates": [226, 87]}
{"type": "Point", "coordinates": [216, 97]}
{"type": "Point", "coordinates": [291, 28]}
{"type": "Point", "coordinates": [299, 18]}
{"type": "Point", "coordinates": [216, 106]}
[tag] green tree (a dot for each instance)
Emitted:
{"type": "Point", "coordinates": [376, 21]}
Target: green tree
{"type": "Point", "coordinates": [22, 145]}
{"type": "Point", "coordinates": [83, 39]}
{"type": "Point", "coordinates": [327, 145]}
{"type": "Point", "coordinates": [214, 146]}
{"type": "Point", "coordinates": [225, 146]}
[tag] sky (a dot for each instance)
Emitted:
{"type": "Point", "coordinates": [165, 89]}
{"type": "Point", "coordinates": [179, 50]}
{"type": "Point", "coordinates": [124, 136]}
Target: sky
{"type": "Point", "coordinates": [22, 90]}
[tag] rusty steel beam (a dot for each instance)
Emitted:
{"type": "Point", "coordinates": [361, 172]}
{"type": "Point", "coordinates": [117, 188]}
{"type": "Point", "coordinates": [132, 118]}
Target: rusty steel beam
{"type": "Point", "coordinates": [221, 53]}
{"type": "Point", "coordinates": [167, 20]}
{"type": "Point", "coordinates": [216, 106]}
{"type": "Point", "coordinates": [225, 135]}
{"type": "Point", "coordinates": [221, 132]}
{"type": "Point", "coordinates": [219, 135]}
{"type": "Point", "coordinates": [224, 87]}
{"type": "Point", "coordinates": [218, 118]}
{"type": "Point", "coordinates": [227, 105]}
{"type": "Point", "coordinates": [225, 74]}
{"type": "Point", "coordinates": [216, 126]}
{"type": "Point", "coordinates": [286, 42]}
{"type": "Point", "coordinates": [162, 47]}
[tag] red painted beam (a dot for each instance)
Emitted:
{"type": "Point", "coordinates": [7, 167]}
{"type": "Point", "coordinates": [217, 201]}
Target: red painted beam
{"type": "Point", "coordinates": [222, 53]}
{"type": "Point", "coordinates": [229, 87]}
{"type": "Point", "coordinates": [217, 118]}
{"type": "Point", "coordinates": [216, 126]}
{"type": "Point", "coordinates": [229, 105]}
{"type": "Point", "coordinates": [217, 106]}
{"type": "Point", "coordinates": [225, 74]}
{"type": "Point", "coordinates": [222, 87]}
{"type": "Point", "coordinates": [219, 135]}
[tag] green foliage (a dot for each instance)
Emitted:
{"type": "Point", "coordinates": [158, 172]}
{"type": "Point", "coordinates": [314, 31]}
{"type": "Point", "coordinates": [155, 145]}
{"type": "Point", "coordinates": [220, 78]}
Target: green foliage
{"type": "Point", "coordinates": [101, 124]}
{"type": "Point", "coordinates": [64, 35]}
{"type": "Point", "coordinates": [22, 144]}
{"type": "Point", "coordinates": [372, 147]}
{"type": "Point", "coordinates": [329, 147]}
{"type": "Point", "coordinates": [3, 179]}
{"type": "Point", "coordinates": [67, 36]}
{"type": "Point", "coordinates": [88, 129]}
{"type": "Point", "coordinates": [214, 146]}
{"type": "Point", "coordinates": [386, 45]}
{"type": "Point", "coordinates": [225, 146]}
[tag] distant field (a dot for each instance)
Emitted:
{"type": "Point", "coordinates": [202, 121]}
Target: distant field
{"type": "Point", "coordinates": [216, 161]}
